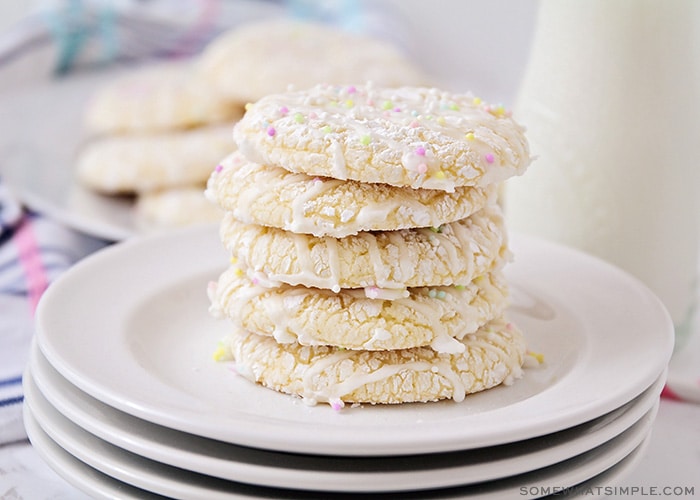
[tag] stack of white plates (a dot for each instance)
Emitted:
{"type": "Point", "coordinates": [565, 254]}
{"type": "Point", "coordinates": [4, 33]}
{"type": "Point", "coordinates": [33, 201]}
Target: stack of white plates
{"type": "Point", "coordinates": [124, 400]}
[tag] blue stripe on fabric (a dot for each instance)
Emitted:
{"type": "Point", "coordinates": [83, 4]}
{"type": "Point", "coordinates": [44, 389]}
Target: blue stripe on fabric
{"type": "Point", "coordinates": [11, 381]}
{"type": "Point", "coordinates": [11, 401]}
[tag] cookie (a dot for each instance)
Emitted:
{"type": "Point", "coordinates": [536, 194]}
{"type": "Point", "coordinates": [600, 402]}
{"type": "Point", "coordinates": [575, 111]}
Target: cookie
{"type": "Point", "coordinates": [141, 163]}
{"type": "Point", "coordinates": [176, 207]}
{"type": "Point", "coordinates": [266, 57]}
{"type": "Point", "coordinates": [437, 317]}
{"type": "Point", "coordinates": [391, 261]}
{"type": "Point", "coordinates": [273, 196]}
{"type": "Point", "coordinates": [157, 99]}
{"type": "Point", "coordinates": [492, 355]}
{"type": "Point", "coordinates": [411, 137]}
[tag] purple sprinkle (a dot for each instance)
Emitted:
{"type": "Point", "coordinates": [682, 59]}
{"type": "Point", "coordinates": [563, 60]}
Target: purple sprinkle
{"type": "Point", "coordinates": [352, 89]}
{"type": "Point", "coordinates": [218, 168]}
{"type": "Point", "coordinates": [284, 110]}
{"type": "Point", "coordinates": [271, 131]}
{"type": "Point", "coordinates": [420, 151]}
{"type": "Point", "coordinates": [489, 158]}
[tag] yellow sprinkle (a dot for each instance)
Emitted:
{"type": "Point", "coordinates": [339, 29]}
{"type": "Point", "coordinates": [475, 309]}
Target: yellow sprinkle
{"type": "Point", "coordinates": [537, 355]}
{"type": "Point", "coordinates": [441, 120]}
{"type": "Point", "coordinates": [238, 271]}
{"type": "Point", "coordinates": [439, 175]}
{"type": "Point", "coordinates": [248, 105]}
{"type": "Point", "coordinates": [349, 103]}
{"type": "Point", "coordinates": [476, 101]}
{"type": "Point", "coordinates": [469, 136]}
{"type": "Point", "coordinates": [219, 354]}
{"type": "Point", "coordinates": [233, 260]}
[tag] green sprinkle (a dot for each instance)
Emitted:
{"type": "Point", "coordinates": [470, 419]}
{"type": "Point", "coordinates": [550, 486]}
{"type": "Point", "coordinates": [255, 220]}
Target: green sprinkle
{"type": "Point", "coordinates": [326, 129]}
{"type": "Point", "coordinates": [454, 107]}
{"type": "Point", "coordinates": [298, 117]}
{"type": "Point", "coordinates": [460, 287]}
{"type": "Point", "coordinates": [387, 105]}
{"type": "Point", "coordinates": [365, 139]}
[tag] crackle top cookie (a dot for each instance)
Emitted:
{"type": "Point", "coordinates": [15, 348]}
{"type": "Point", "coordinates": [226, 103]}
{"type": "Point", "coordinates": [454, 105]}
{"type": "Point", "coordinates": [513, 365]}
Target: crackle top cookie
{"type": "Point", "coordinates": [408, 136]}
{"type": "Point", "coordinates": [385, 263]}
{"type": "Point", "coordinates": [142, 163]}
{"type": "Point", "coordinates": [434, 316]}
{"type": "Point", "coordinates": [156, 99]}
{"type": "Point", "coordinates": [492, 355]}
{"type": "Point", "coordinates": [273, 196]}
{"type": "Point", "coordinates": [266, 57]}
{"type": "Point", "coordinates": [174, 207]}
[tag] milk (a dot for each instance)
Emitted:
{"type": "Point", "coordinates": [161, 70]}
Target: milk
{"type": "Point", "coordinates": [610, 102]}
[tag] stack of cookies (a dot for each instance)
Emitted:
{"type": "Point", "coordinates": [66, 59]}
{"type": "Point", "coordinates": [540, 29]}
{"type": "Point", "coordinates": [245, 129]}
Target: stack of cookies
{"type": "Point", "coordinates": [367, 245]}
{"type": "Point", "coordinates": [155, 134]}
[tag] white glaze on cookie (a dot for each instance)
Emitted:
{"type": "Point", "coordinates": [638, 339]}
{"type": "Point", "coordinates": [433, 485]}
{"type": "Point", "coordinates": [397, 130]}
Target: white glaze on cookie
{"type": "Point", "coordinates": [413, 137]}
{"type": "Point", "coordinates": [492, 355]}
{"type": "Point", "coordinates": [273, 196]}
{"type": "Point", "coordinates": [455, 253]}
{"type": "Point", "coordinates": [434, 316]}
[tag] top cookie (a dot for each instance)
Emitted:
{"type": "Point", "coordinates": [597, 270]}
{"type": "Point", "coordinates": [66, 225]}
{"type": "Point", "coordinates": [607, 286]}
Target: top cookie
{"type": "Point", "coordinates": [252, 61]}
{"type": "Point", "coordinates": [408, 136]}
{"type": "Point", "coordinates": [156, 99]}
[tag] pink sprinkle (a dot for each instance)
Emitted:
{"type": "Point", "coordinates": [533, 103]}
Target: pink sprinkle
{"type": "Point", "coordinates": [397, 110]}
{"type": "Point", "coordinates": [284, 110]}
{"type": "Point", "coordinates": [255, 281]}
{"type": "Point", "coordinates": [219, 168]}
{"type": "Point", "coordinates": [352, 89]}
{"type": "Point", "coordinates": [420, 151]}
{"type": "Point", "coordinates": [337, 405]}
{"type": "Point", "coordinates": [413, 124]}
{"type": "Point", "coordinates": [422, 168]}
{"type": "Point", "coordinates": [271, 131]}
{"type": "Point", "coordinates": [372, 292]}
{"type": "Point", "coordinates": [489, 158]}
{"type": "Point", "coordinates": [370, 102]}
{"type": "Point", "coordinates": [313, 115]}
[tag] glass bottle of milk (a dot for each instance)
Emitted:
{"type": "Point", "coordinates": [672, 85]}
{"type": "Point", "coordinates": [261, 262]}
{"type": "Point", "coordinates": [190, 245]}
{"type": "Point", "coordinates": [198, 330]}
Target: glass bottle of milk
{"type": "Point", "coordinates": [610, 102]}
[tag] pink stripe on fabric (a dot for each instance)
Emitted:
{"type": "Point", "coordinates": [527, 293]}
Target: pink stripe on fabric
{"type": "Point", "coordinates": [209, 10]}
{"type": "Point", "coordinates": [668, 393]}
{"type": "Point", "coordinates": [30, 260]}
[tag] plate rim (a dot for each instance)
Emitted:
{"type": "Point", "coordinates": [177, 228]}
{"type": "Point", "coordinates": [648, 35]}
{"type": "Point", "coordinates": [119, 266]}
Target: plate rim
{"type": "Point", "coordinates": [542, 425]}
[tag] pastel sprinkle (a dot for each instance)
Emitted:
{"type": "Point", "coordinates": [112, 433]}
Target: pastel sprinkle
{"type": "Point", "coordinates": [284, 110]}
{"type": "Point", "coordinates": [234, 260]}
{"type": "Point", "coordinates": [422, 168]}
{"type": "Point", "coordinates": [313, 115]}
{"type": "Point", "coordinates": [469, 136]}
{"type": "Point", "coordinates": [326, 129]}
{"type": "Point", "coordinates": [538, 356]}
{"type": "Point", "coordinates": [414, 113]}
{"type": "Point", "coordinates": [387, 105]}
{"type": "Point", "coordinates": [489, 158]}
{"type": "Point", "coordinates": [460, 287]}
{"type": "Point", "coordinates": [337, 404]}
{"type": "Point", "coordinates": [248, 105]}
{"type": "Point", "coordinates": [397, 110]}
{"type": "Point", "coordinates": [372, 292]}
{"type": "Point", "coordinates": [437, 229]}
{"type": "Point", "coordinates": [219, 168]}
{"type": "Point", "coordinates": [439, 175]}
{"type": "Point", "coordinates": [351, 89]}
{"type": "Point", "coordinates": [420, 151]}
{"type": "Point", "coordinates": [432, 293]}
{"type": "Point", "coordinates": [219, 354]}
{"type": "Point", "coordinates": [454, 107]}
{"type": "Point", "coordinates": [298, 117]}
{"type": "Point", "coordinates": [271, 131]}
{"type": "Point", "coordinates": [441, 294]}
{"type": "Point", "coordinates": [441, 120]}
{"type": "Point", "coordinates": [365, 139]}
{"type": "Point", "coordinates": [476, 101]}
{"type": "Point", "coordinates": [239, 271]}
{"type": "Point", "coordinates": [413, 124]}
{"type": "Point", "coordinates": [349, 103]}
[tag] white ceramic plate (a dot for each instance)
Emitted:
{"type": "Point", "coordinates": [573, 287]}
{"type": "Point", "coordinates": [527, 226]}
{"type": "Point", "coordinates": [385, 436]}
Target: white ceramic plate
{"type": "Point", "coordinates": [129, 326]}
{"type": "Point", "coordinates": [173, 482]}
{"type": "Point", "coordinates": [42, 131]}
{"type": "Point", "coordinates": [311, 472]}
